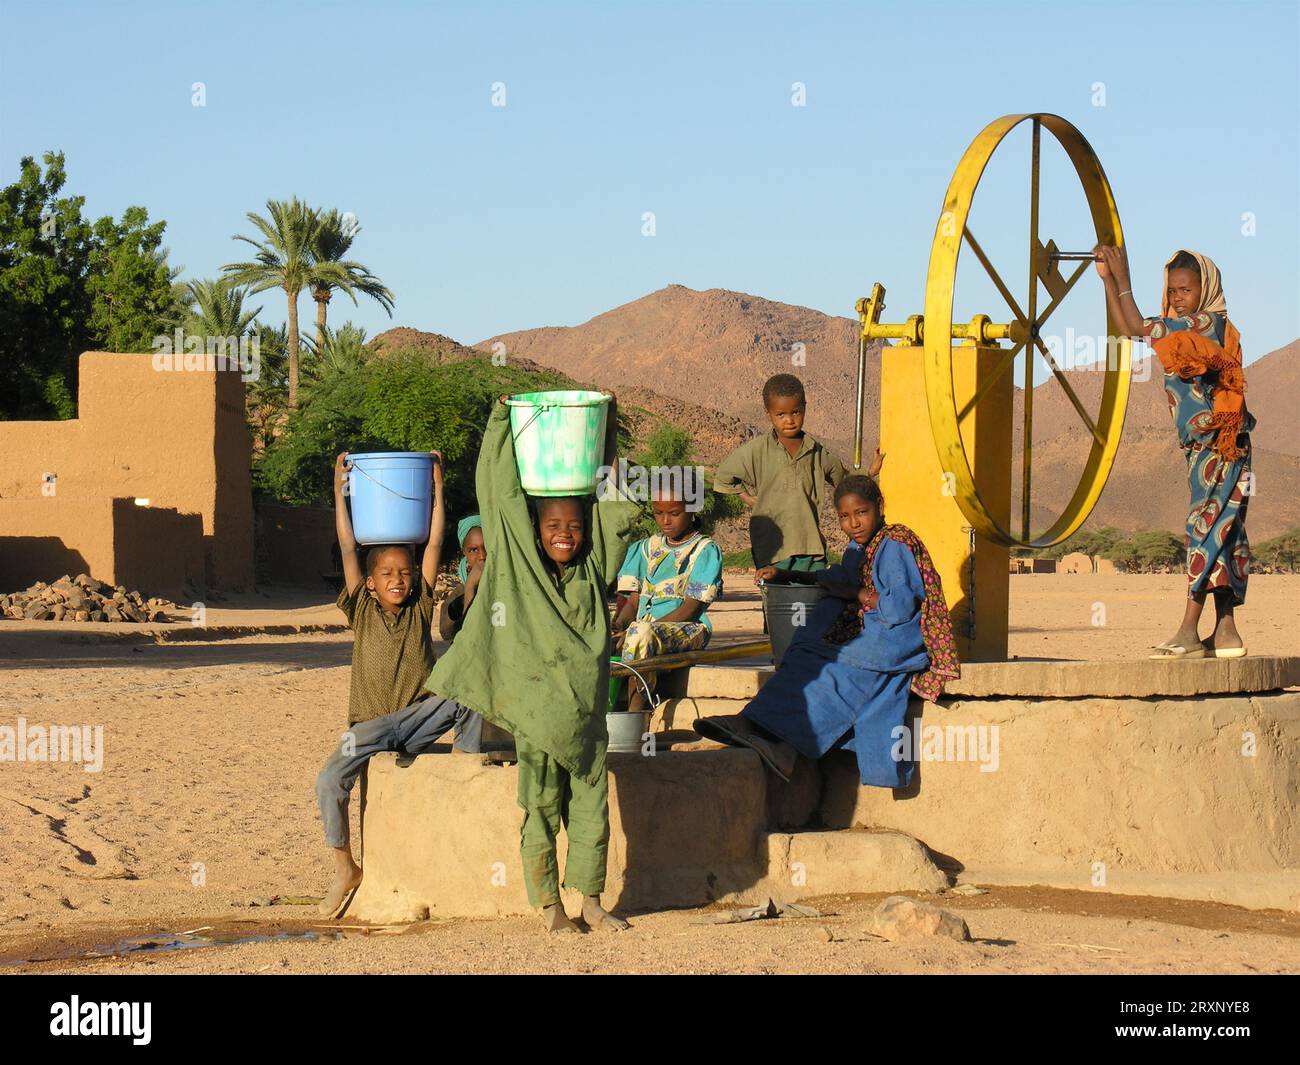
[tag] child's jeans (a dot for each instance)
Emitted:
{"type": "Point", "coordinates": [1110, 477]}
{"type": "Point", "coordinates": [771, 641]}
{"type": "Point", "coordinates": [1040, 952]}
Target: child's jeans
{"type": "Point", "coordinates": [413, 730]}
{"type": "Point", "coordinates": [551, 796]}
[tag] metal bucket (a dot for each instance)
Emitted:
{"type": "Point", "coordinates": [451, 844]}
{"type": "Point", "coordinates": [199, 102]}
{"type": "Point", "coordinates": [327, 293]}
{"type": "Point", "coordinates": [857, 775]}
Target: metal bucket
{"type": "Point", "coordinates": [786, 607]}
{"type": "Point", "coordinates": [626, 730]}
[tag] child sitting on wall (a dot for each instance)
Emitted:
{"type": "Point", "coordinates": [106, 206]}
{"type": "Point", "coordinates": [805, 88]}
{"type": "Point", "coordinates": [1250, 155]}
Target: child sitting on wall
{"type": "Point", "coordinates": [670, 579]}
{"type": "Point", "coordinates": [389, 607]}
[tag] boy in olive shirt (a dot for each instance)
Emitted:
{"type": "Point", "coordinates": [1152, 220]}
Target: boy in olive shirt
{"type": "Point", "coordinates": [390, 609]}
{"type": "Point", "coordinates": [782, 475]}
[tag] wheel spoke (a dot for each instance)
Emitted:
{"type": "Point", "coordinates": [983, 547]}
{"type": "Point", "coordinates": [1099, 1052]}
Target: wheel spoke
{"type": "Point", "coordinates": [1008, 357]}
{"type": "Point", "coordinates": [993, 275]}
{"type": "Point", "coordinates": [1069, 391]}
{"type": "Point", "coordinates": [1051, 307]}
{"type": "Point", "coordinates": [1028, 439]}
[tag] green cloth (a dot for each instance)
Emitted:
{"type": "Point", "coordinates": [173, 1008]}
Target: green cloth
{"type": "Point", "coordinates": [802, 563]}
{"type": "Point", "coordinates": [552, 797]}
{"type": "Point", "coordinates": [789, 491]}
{"type": "Point", "coordinates": [391, 654]}
{"type": "Point", "coordinates": [533, 657]}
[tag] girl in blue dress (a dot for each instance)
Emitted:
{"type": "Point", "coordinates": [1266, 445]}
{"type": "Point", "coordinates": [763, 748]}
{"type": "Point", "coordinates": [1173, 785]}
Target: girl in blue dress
{"type": "Point", "coordinates": [881, 634]}
{"type": "Point", "coordinates": [1200, 351]}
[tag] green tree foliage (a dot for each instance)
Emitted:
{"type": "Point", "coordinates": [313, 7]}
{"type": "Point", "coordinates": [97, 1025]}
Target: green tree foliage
{"type": "Point", "coordinates": [293, 253]}
{"type": "Point", "coordinates": [1144, 552]}
{"type": "Point", "coordinates": [130, 283]}
{"type": "Point", "coordinates": [1280, 554]}
{"type": "Point", "coordinates": [216, 309]}
{"type": "Point", "coordinates": [1158, 552]}
{"type": "Point", "coordinates": [69, 285]}
{"type": "Point", "coordinates": [333, 241]}
{"type": "Point", "coordinates": [342, 350]}
{"type": "Point", "coordinates": [398, 403]}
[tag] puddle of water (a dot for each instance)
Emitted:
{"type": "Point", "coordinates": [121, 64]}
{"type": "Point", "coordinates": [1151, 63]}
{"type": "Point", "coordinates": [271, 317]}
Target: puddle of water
{"type": "Point", "coordinates": [166, 943]}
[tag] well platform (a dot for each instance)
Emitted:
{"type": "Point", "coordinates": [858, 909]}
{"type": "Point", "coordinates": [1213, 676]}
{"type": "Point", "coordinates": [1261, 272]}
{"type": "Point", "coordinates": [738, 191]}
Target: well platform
{"type": "Point", "coordinates": [1179, 779]}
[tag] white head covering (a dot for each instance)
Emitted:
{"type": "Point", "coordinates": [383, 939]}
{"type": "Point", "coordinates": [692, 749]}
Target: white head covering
{"type": "Point", "coordinates": [1212, 301]}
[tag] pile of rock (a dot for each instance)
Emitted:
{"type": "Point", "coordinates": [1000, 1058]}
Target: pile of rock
{"type": "Point", "coordinates": [82, 598]}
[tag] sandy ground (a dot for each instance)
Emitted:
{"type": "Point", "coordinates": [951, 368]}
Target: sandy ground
{"type": "Point", "coordinates": [205, 805]}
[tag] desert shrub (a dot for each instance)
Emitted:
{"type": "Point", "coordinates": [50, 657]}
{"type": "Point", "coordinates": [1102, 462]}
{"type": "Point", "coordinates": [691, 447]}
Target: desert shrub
{"type": "Point", "coordinates": [1280, 554]}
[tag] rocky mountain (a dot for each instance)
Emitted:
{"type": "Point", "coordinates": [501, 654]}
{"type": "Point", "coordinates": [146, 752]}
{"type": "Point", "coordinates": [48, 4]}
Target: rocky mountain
{"type": "Point", "coordinates": [714, 349]}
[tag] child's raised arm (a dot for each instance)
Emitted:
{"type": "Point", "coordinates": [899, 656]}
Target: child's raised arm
{"type": "Point", "coordinates": [352, 575]}
{"type": "Point", "coordinates": [437, 525]}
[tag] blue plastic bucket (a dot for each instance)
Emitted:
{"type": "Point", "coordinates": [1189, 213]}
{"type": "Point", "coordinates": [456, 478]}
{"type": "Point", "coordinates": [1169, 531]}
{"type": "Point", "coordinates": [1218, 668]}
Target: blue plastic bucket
{"type": "Point", "coordinates": [391, 494]}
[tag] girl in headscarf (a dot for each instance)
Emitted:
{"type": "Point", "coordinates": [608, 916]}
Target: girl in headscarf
{"type": "Point", "coordinates": [1200, 351]}
{"type": "Point", "coordinates": [881, 634]}
{"type": "Point", "coordinates": [469, 568]}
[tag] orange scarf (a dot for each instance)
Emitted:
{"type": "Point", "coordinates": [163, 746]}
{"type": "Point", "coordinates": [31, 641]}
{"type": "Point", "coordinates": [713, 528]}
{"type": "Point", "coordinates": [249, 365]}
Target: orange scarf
{"type": "Point", "coordinates": [1190, 355]}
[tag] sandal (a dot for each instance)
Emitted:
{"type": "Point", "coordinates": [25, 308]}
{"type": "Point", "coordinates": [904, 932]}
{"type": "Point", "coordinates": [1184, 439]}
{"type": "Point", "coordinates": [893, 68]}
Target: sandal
{"type": "Point", "coordinates": [1177, 650]}
{"type": "Point", "coordinates": [735, 731]}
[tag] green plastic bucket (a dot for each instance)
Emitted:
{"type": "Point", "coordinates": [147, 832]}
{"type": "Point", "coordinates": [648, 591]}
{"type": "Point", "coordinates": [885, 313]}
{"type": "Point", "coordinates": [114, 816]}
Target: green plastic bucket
{"type": "Point", "coordinates": [615, 685]}
{"type": "Point", "coordinates": [559, 440]}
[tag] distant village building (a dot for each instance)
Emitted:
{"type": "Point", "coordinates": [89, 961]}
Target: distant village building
{"type": "Point", "coordinates": [1078, 562]}
{"type": "Point", "coordinates": [1075, 562]}
{"type": "Point", "coordinates": [1033, 565]}
{"type": "Point", "coordinates": [148, 487]}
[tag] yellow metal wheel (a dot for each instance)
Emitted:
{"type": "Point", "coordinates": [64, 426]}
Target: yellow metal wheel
{"type": "Point", "coordinates": [948, 409]}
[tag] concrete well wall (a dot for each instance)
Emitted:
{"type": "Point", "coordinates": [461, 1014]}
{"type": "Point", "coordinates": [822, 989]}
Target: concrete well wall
{"type": "Point", "coordinates": [1202, 787]}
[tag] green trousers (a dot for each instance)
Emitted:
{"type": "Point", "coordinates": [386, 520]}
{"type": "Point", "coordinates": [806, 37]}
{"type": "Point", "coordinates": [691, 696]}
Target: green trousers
{"type": "Point", "coordinates": [551, 797]}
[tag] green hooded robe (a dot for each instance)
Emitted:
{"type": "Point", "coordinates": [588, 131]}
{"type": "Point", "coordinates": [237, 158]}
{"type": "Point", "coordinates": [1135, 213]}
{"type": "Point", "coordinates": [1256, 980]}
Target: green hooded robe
{"type": "Point", "coordinates": [533, 655]}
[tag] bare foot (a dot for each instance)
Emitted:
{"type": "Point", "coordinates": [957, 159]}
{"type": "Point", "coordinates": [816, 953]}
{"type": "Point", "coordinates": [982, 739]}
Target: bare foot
{"type": "Point", "coordinates": [557, 921]}
{"type": "Point", "coordinates": [599, 919]}
{"type": "Point", "coordinates": [345, 879]}
{"type": "Point", "coordinates": [1225, 635]}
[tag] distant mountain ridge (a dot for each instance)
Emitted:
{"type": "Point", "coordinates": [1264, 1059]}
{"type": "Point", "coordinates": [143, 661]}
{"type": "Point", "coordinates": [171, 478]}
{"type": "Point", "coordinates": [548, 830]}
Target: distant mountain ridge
{"type": "Point", "coordinates": [715, 348]}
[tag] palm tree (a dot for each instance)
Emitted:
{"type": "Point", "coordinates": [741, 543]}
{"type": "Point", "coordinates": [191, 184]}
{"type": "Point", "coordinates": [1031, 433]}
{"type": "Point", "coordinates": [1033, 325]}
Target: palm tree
{"type": "Point", "coordinates": [286, 259]}
{"type": "Point", "coordinates": [216, 308]}
{"type": "Point", "coordinates": [343, 350]}
{"type": "Point", "coordinates": [333, 240]}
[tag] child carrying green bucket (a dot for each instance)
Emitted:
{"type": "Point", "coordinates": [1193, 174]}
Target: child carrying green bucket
{"type": "Point", "coordinates": [533, 658]}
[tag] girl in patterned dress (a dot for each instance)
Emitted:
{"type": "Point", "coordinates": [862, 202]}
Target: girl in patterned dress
{"type": "Point", "coordinates": [1200, 351]}
{"type": "Point", "coordinates": [669, 580]}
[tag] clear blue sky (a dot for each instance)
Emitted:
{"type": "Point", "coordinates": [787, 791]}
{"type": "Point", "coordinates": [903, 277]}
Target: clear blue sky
{"type": "Point", "coordinates": [485, 219]}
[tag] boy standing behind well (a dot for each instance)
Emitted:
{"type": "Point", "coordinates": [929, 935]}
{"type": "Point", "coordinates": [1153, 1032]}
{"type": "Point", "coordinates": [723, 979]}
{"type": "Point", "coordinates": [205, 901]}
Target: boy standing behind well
{"type": "Point", "coordinates": [781, 475]}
